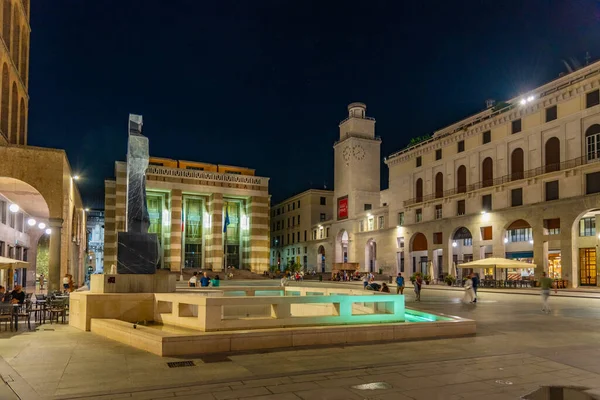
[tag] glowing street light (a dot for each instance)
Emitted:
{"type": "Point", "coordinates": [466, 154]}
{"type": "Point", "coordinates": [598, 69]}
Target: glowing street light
{"type": "Point", "coordinates": [48, 231]}
{"type": "Point", "coordinates": [31, 222]}
{"type": "Point", "coordinates": [76, 177]}
{"type": "Point", "coordinates": [454, 244]}
{"type": "Point", "coordinates": [87, 210]}
{"type": "Point", "coordinates": [41, 225]}
{"type": "Point", "coordinates": [14, 208]}
{"type": "Point", "coordinates": [505, 240]}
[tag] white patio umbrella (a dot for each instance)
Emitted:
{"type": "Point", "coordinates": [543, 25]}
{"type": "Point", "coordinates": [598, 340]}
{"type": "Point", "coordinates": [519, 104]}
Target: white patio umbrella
{"type": "Point", "coordinates": [498, 263]}
{"type": "Point", "coordinates": [6, 263]}
{"type": "Point", "coordinates": [430, 271]}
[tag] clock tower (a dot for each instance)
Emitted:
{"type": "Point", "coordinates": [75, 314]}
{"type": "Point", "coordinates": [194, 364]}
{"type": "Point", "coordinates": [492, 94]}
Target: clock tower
{"type": "Point", "coordinates": [357, 164]}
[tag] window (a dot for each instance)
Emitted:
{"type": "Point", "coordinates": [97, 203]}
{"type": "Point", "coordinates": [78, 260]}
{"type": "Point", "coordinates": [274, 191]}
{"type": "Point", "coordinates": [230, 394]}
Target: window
{"type": "Point", "coordinates": [322, 217]}
{"type": "Point", "coordinates": [516, 197]}
{"type": "Point", "coordinates": [486, 202]}
{"type": "Point", "coordinates": [552, 155]}
{"type": "Point", "coordinates": [519, 235]}
{"type": "Point", "coordinates": [288, 239]}
{"type": "Point", "coordinates": [305, 236]}
{"type": "Point", "coordinates": [327, 233]}
{"type": "Point", "coordinates": [419, 161]}
{"type": "Point", "coordinates": [361, 226]}
{"type": "Point", "coordinates": [368, 207]}
{"type": "Point", "coordinates": [380, 222]}
{"type": "Point", "coordinates": [551, 113]}
{"type": "Point", "coordinates": [314, 235]}
{"type": "Point", "coordinates": [438, 154]}
{"type": "Point", "coordinates": [418, 215]}
{"type": "Point", "coordinates": [278, 211]}
{"type": "Point", "coordinates": [552, 226]}
{"type": "Point", "coordinates": [298, 236]}
{"type": "Point", "coordinates": [401, 242]}
{"type": "Point", "coordinates": [517, 164]}
{"type": "Point", "coordinates": [486, 137]}
{"type": "Point", "coordinates": [273, 226]}
{"type": "Point", "coordinates": [460, 207]}
{"type": "Point", "coordinates": [487, 172]}
{"type": "Point", "coordinates": [461, 179]}
{"type": "Point", "coordinates": [439, 185]}
{"type": "Point", "coordinates": [323, 201]}
{"type": "Point", "coordinates": [370, 224]}
{"type": "Point", "coordinates": [3, 211]}
{"type": "Point", "coordinates": [592, 98]}
{"type": "Point", "coordinates": [461, 146]}
{"type": "Point", "coordinates": [592, 183]}
{"type": "Point", "coordinates": [298, 203]}
{"type": "Point", "coordinates": [293, 251]}
{"type": "Point", "coordinates": [1, 249]}
{"type": "Point", "coordinates": [288, 207]}
{"type": "Point", "coordinates": [298, 220]}
{"type": "Point", "coordinates": [419, 190]}
{"type": "Point", "coordinates": [278, 226]}
{"type": "Point", "coordinates": [468, 241]}
{"type": "Point", "coordinates": [592, 140]}
{"type": "Point", "coordinates": [289, 223]}
{"type": "Point", "coordinates": [438, 211]}
{"type": "Point", "coordinates": [293, 206]}
{"type": "Point", "coordinates": [587, 226]}
{"type": "Point", "coordinates": [486, 233]}
{"type": "Point", "coordinates": [11, 219]}
{"type": "Point", "coordinates": [400, 218]}
{"type": "Point", "coordinates": [305, 249]}
{"type": "Point", "coordinates": [551, 190]}
{"type": "Point", "coordinates": [437, 237]}
{"type": "Point", "coordinates": [516, 126]}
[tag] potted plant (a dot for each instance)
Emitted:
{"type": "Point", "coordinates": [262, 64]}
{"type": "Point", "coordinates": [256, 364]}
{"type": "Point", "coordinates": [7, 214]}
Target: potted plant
{"type": "Point", "coordinates": [427, 279]}
{"type": "Point", "coordinates": [449, 279]}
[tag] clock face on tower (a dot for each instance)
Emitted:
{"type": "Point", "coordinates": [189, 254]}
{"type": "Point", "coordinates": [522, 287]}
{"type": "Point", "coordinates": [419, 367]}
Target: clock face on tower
{"type": "Point", "coordinates": [358, 152]}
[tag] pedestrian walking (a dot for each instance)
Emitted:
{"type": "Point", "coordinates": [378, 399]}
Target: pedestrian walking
{"type": "Point", "coordinates": [475, 279]}
{"type": "Point", "coordinates": [469, 296]}
{"type": "Point", "coordinates": [418, 286]}
{"type": "Point", "coordinates": [546, 284]}
{"type": "Point", "coordinates": [400, 284]}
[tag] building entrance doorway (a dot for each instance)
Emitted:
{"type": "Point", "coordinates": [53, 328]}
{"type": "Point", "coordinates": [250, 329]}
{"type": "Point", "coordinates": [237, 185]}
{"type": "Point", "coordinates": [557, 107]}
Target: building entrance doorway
{"type": "Point", "coordinates": [587, 266]}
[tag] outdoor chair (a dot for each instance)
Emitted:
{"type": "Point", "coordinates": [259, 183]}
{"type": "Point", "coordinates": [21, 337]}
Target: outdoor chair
{"type": "Point", "coordinates": [6, 316]}
{"type": "Point", "coordinates": [24, 313]}
{"type": "Point", "coordinates": [57, 309]}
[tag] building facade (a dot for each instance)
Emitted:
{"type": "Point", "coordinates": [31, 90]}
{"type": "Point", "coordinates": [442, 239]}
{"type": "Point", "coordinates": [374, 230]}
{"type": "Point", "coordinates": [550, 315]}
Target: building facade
{"type": "Point", "coordinates": [519, 180]}
{"type": "Point", "coordinates": [291, 228]}
{"type": "Point", "coordinates": [206, 216]}
{"type": "Point", "coordinates": [14, 61]}
{"type": "Point", "coordinates": [36, 184]}
{"type": "Point", "coordinates": [95, 241]}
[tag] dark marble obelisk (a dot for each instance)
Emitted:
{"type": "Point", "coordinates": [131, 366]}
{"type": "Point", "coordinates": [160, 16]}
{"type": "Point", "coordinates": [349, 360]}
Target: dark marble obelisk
{"type": "Point", "coordinates": [138, 250]}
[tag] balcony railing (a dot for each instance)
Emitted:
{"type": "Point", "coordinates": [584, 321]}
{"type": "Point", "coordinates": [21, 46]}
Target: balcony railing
{"type": "Point", "coordinates": [531, 173]}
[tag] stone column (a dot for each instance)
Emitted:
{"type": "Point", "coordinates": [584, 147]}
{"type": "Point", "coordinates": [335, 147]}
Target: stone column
{"type": "Point", "coordinates": [174, 252]}
{"type": "Point", "coordinates": [54, 278]}
{"type": "Point", "coordinates": [256, 254]}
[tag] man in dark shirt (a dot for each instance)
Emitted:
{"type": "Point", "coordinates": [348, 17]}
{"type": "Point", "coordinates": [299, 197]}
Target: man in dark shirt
{"type": "Point", "coordinates": [18, 295]}
{"type": "Point", "coordinates": [475, 279]}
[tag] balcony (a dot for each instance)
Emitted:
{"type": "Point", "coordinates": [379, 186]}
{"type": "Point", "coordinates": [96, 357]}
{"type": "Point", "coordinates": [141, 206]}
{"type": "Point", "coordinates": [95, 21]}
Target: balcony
{"type": "Point", "coordinates": [517, 176]}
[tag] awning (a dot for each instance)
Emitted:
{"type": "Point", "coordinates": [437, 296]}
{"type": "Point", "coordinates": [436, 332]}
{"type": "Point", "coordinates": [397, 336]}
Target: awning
{"type": "Point", "coordinates": [6, 263]}
{"type": "Point", "coordinates": [496, 262]}
{"type": "Point", "coordinates": [519, 254]}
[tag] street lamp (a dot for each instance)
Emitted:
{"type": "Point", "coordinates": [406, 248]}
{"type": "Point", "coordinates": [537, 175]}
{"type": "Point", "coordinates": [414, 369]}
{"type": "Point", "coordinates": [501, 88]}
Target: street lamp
{"type": "Point", "coordinates": [41, 225]}
{"type": "Point", "coordinates": [14, 208]}
{"type": "Point", "coordinates": [48, 231]}
{"type": "Point", "coordinates": [31, 222]}
{"type": "Point", "coordinates": [76, 177]}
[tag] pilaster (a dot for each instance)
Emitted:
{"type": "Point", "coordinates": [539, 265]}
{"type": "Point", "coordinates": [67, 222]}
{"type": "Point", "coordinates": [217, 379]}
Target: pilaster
{"type": "Point", "coordinates": [256, 254]}
{"type": "Point", "coordinates": [214, 239]}
{"type": "Point", "coordinates": [174, 253]}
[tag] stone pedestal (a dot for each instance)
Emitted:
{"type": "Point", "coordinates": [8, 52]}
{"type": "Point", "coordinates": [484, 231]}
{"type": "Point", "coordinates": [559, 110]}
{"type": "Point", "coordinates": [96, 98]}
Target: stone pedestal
{"type": "Point", "coordinates": [133, 283]}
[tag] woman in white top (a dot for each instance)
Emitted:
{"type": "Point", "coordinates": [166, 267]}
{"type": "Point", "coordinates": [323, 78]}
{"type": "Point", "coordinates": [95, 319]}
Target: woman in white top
{"type": "Point", "coordinates": [469, 291]}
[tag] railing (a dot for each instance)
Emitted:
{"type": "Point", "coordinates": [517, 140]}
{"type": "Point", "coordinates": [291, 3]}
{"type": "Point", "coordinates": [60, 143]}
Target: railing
{"type": "Point", "coordinates": [531, 173]}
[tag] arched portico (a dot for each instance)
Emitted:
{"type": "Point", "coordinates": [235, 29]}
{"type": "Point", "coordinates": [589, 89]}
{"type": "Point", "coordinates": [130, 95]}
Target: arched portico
{"type": "Point", "coordinates": [321, 259]}
{"type": "Point", "coordinates": [418, 253]}
{"type": "Point", "coordinates": [341, 246]}
{"type": "Point", "coordinates": [371, 256]}
{"type": "Point", "coordinates": [461, 247]}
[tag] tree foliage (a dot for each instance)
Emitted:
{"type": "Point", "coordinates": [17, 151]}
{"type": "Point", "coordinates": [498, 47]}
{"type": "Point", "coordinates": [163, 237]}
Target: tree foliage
{"type": "Point", "coordinates": [43, 256]}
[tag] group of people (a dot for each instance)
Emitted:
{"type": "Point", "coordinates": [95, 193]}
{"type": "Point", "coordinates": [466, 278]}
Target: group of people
{"type": "Point", "coordinates": [203, 281]}
{"type": "Point", "coordinates": [16, 296]}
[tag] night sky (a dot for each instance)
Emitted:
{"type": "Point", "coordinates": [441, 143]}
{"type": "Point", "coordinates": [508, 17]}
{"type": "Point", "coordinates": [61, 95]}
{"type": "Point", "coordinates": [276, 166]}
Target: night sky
{"type": "Point", "coordinates": [264, 84]}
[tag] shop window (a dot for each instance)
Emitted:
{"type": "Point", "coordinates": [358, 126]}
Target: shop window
{"type": "Point", "coordinates": [592, 98]}
{"type": "Point", "coordinates": [438, 211]}
{"type": "Point", "coordinates": [554, 265]}
{"type": "Point", "coordinates": [551, 190]}
{"type": "Point", "coordinates": [516, 197]}
{"type": "Point", "coordinates": [438, 154]}
{"type": "Point", "coordinates": [587, 226]}
{"type": "Point", "coordinates": [419, 161]}
{"type": "Point", "coordinates": [460, 207]}
{"type": "Point", "coordinates": [418, 215]}
{"type": "Point", "coordinates": [486, 233]}
{"type": "Point", "coordinates": [437, 238]}
{"type": "Point", "coordinates": [516, 126]}
{"type": "Point", "coordinates": [552, 226]}
{"type": "Point", "coordinates": [551, 113]}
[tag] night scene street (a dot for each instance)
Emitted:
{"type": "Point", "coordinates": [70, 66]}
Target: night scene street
{"type": "Point", "coordinates": [298, 200]}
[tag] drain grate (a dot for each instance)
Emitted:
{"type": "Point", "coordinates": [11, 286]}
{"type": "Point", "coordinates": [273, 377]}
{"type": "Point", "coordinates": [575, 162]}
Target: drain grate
{"type": "Point", "coordinates": [179, 364]}
{"type": "Point", "coordinates": [214, 358]}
